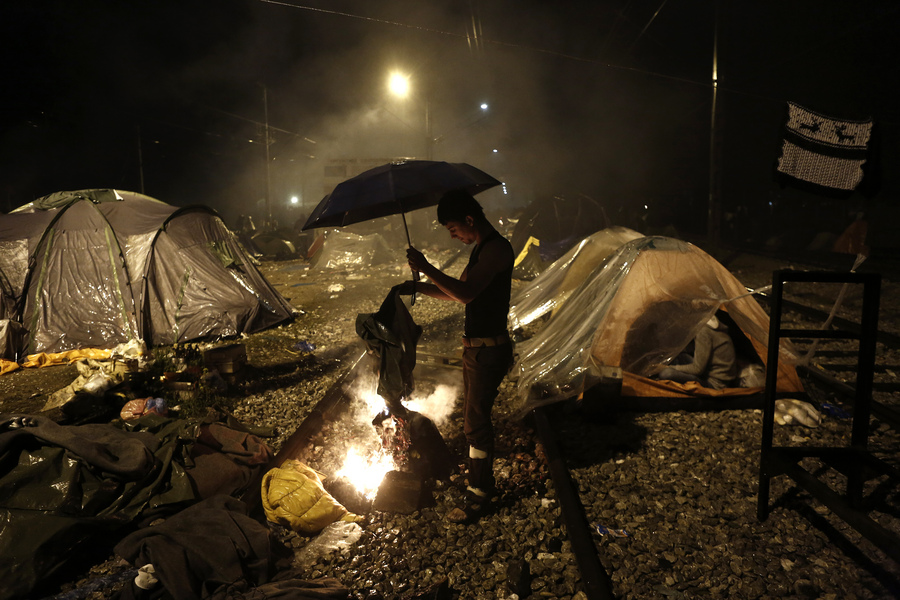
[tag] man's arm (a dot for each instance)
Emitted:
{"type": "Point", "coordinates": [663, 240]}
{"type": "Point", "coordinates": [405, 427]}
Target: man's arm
{"type": "Point", "coordinates": [702, 353]}
{"type": "Point", "coordinates": [428, 289]}
{"type": "Point", "coordinates": [494, 258]}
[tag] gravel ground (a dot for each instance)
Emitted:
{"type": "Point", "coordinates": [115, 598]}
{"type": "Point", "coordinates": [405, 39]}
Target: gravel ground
{"type": "Point", "coordinates": [691, 517]}
{"type": "Point", "coordinates": [681, 485]}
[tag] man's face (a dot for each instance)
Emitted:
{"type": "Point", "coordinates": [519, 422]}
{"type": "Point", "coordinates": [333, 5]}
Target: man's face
{"type": "Point", "coordinates": [463, 231]}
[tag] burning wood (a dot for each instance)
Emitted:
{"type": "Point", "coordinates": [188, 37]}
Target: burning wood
{"type": "Point", "coordinates": [405, 452]}
{"type": "Point", "coordinates": [402, 492]}
{"type": "Point", "coordinates": [365, 472]}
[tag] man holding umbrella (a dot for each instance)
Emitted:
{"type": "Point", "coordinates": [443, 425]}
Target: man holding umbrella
{"type": "Point", "coordinates": [484, 287]}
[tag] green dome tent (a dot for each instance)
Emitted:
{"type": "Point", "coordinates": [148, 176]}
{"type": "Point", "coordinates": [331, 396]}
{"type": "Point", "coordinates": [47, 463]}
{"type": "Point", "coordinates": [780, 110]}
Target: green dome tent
{"type": "Point", "coordinates": [96, 268]}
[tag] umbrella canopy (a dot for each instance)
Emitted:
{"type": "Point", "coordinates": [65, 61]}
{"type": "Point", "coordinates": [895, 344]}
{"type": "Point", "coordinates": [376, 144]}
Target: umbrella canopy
{"type": "Point", "coordinates": [395, 188]}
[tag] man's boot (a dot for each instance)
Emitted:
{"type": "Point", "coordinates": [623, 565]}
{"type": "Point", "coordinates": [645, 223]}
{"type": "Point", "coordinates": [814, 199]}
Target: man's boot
{"type": "Point", "coordinates": [479, 490]}
{"type": "Point", "coordinates": [481, 473]}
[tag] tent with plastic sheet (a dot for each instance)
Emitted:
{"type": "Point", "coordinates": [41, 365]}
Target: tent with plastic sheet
{"type": "Point", "coordinates": [343, 250]}
{"type": "Point", "coordinates": [550, 289]}
{"type": "Point", "coordinates": [12, 340]}
{"type": "Point", "coordinates": [635, 313]}
{"type": "Point", "coordinates": [274, 243]}
{"type": "Point", "coordinates": [97, 268]}
{"type": "Point", "coordinates": [558, 222]}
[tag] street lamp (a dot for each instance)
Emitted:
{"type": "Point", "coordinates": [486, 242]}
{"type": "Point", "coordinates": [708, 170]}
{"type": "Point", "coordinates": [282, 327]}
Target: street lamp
{"type": "Point", "coordinates": [399, 86]}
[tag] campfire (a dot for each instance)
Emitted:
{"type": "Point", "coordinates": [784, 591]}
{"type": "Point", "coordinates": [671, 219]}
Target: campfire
{"type": "Point", "coordinates": [367, 462]}
{"type": "Point", "coordinates": [407, 444]}
{"type": "Point", "coordinates": [366, 471]}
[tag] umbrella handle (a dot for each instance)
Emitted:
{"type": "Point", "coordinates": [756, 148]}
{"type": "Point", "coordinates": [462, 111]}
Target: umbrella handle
{"type": "Point", "coordinates": [412, 298]}
{"type": "Point", "coordinates": [415, 274]}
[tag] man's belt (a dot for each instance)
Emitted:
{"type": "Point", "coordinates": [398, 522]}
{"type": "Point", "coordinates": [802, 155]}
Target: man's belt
{"type": "Point", "coordinates": [477, 342]}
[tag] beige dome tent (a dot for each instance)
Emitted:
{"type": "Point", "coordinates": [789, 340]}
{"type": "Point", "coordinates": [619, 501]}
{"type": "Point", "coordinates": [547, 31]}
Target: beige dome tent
{"type": "Point", "coordinates": [550, 289]}
{"type": "Point", "coordinates": [639, 310]}
{"type": "Point", "coordinates": [96, 268]}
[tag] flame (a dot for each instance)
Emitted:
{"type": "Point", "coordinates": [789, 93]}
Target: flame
{"type": "Point", "coordinates": [366, 472]}
{"type": "Point", "coordinates": [374, 403]}
{"type": "Point", "coordinates": [366, 464]}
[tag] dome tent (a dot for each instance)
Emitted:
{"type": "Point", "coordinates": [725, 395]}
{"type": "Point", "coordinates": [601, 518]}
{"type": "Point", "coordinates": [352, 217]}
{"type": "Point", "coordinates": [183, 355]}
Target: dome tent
{"type": "Point", "coordinates": [638, 309]}
{"type": "Point", "coordinates": [96, 268]}
{"type": "Point", "coordinates": [550, 289]}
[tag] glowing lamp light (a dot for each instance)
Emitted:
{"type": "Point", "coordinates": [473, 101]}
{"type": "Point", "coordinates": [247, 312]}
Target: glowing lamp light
{"type": "Point", "coordinates": [398, 84]}
{"type": "Point", "coordinates": [484, 106]}
{"type": "Point", "coordinates": [294, 199]}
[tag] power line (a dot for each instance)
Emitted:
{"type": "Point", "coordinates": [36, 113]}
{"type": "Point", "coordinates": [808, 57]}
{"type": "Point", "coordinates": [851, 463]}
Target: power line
{"type": "Point", "coordinates": [258, 123]}
{"type": "Point", "coordinates": [486, 40]}
{"type": "Point", "coordinates": [557, 54]}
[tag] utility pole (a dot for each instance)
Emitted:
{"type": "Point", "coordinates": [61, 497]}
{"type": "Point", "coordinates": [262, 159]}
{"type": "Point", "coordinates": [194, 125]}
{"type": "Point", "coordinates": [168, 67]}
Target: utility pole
{"type": "Point", "coordinates": [429, 133]}
{"type": "Point", "coordinates": [714, 212]}
{"type": "Point", "coordinates": [266, 115]}
{"type": "Point", "coordinates": [140, 152]}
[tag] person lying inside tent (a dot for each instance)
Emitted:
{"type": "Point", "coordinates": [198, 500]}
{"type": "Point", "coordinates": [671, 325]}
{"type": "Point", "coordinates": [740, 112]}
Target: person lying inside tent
{"type": "Point", "coordinates": [714, 362]}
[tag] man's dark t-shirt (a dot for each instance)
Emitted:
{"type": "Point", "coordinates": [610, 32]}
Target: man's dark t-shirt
{"type": "Point", "coordinates": [487, 314]}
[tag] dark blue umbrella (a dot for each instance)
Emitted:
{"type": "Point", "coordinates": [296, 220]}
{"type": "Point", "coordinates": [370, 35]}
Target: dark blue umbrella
{"type": "Point", "coordinates": [395, 188]}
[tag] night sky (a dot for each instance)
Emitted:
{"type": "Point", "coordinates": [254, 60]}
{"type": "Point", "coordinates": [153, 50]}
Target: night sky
{"type": "Point", "coordinates": [611, 99]}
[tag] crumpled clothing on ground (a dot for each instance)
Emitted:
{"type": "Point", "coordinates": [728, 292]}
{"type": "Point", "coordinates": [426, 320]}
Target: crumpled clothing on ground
{"type": "Point", "coordinates": [66, 490]}
{"type": "Point", "coordinates": [215, 550]}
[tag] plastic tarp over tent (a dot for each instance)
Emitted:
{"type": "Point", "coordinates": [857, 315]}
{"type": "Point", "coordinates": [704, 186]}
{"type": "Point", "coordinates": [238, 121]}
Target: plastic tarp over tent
{"type": "Point", "coordinates": [342, 250]}
{"type": "Point", "coordinates": [96, 268]}
{"type": "Point", "coordinates": [551, 288]}
{"type": "Point", "coordinates": [636, 311]}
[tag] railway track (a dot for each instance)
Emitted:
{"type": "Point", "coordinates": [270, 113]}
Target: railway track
{"type": "Point", "coordinates": [335, 406]}
{"type": "Point", "coordinates": [550, 519]}
{"type": "Point", "coordinates": [589, 553]}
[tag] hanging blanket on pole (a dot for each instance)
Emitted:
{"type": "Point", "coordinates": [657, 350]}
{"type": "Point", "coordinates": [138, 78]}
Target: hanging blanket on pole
{"type": "Point", "coordinates": [822, 150]}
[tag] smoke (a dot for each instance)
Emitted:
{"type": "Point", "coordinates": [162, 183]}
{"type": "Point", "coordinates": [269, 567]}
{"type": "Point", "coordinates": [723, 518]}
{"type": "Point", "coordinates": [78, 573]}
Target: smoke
{"type": "Point", "coordinates": [558, 117]}
{"type": "Point", "coordinates": [365, 403]}
{"type": "Point", "coordinates": [438, 405]}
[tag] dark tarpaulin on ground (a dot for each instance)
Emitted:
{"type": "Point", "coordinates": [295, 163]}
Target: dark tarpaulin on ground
{"type": "Point", "coordinates": [214, 550]}
{"type": "Point", "coordinates": [67, 491]}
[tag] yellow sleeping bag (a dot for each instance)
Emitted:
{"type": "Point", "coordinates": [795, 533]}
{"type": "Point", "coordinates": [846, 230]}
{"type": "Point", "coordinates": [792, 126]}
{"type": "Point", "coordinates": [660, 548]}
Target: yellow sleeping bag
{"type": "Point", "coordinates": [293, 496]}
